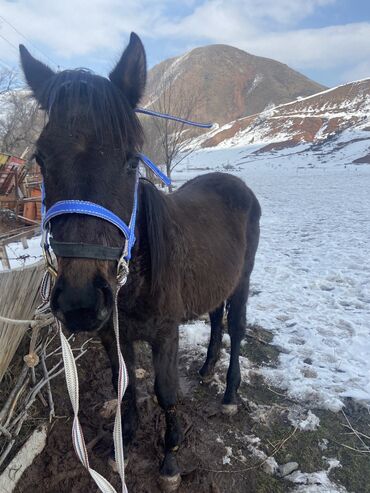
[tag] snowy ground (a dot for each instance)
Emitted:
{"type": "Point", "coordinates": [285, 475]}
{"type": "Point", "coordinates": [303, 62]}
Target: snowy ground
{"type": "Point", "coordinates": [312, 273]}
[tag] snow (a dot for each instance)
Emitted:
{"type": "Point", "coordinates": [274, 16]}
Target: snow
{"type": "Point", "coordinates": [269, 464]}
{"type": "Point", "coordinates": [256, 82]}
{"type": "Point", "coordinates": [326, 91]}
{"type": "Point", "coordinates": [195, 336]}
{"type": "Point", "coordinates": [303, 421]}
{"type": "Point", "coordinates": [227, 458]}
{"type": "Point", "coordinates": [316, 482]}
{"type": "Point", "coordinates": [281, 123]}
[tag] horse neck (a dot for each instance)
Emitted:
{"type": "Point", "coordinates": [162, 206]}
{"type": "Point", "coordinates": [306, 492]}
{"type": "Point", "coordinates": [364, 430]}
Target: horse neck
{"type": "Point", "coordinates": [155, 232]}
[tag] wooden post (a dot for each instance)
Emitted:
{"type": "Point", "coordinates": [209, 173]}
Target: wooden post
{"type": "Point", "coordinates": [24, 242]}
{"type": "Point", "coordinates": [16, 193]}
{"type": "Point", "coordinates": [4, 256]}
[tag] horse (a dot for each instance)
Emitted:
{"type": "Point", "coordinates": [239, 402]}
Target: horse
{"type": "Point", "coordinates": [194, 251]}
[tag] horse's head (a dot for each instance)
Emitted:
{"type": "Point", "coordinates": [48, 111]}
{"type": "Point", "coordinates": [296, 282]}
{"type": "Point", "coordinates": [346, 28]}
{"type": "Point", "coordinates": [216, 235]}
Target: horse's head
{"type": "Point", "coordinates": [87, 151]}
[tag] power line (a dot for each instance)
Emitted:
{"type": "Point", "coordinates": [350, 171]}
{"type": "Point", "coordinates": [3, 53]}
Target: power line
{"type": "Point", "coordinates": [4, 63]}
{"type": "Point", "coordinates": [9, 42]}
{"type": "Point", "coordinates": [29, 41]}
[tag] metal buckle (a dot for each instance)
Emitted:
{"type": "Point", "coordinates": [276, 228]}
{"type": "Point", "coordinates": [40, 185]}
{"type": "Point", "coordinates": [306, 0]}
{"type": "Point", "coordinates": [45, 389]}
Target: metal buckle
{"type": "Point", "coordinates": [46, 253]}
{"type": "Point", "coordinates": [49, 261]}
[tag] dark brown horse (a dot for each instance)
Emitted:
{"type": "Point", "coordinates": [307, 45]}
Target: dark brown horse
{"type": "Point", "coordinates": [194, 251]}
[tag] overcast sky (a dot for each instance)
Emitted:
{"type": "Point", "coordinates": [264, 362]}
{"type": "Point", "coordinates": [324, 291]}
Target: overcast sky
{"type": "Point", "coordinates": [327, 40]}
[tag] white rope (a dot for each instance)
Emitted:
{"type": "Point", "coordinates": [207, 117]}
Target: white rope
{"type": "Point", "coordinates": [73, 391]}
{"type": "Point", "coordinates": [43, 317]}
{"type": "Point", "coordinates": [121, 389]}
{"type": "Point", "coordinates": [15, 321]}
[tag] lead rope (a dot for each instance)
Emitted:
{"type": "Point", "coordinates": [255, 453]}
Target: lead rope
{"type": "Point", "coordinates": [71, 376]}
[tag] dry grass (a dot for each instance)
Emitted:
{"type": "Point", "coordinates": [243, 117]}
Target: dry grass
{"type": "Point", "coordinates": [19, 295]}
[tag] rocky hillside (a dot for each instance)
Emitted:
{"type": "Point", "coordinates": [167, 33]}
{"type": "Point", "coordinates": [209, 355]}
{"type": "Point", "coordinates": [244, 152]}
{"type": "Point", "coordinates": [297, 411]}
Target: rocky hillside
{"type": "Point", "coordinates": [314, 119]}
{"type": "Point", "coordinates": [229, 83]}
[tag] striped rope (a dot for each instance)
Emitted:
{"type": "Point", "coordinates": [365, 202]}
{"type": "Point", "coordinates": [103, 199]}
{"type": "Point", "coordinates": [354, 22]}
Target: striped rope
{"type": "Point", "coordinates": [122, 386]}
{"type": "Point", "coordinates": [71, 376]}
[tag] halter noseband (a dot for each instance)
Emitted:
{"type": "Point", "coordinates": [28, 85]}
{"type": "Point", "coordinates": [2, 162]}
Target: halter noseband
{"type": "Point", "coordinates": [101, 252]}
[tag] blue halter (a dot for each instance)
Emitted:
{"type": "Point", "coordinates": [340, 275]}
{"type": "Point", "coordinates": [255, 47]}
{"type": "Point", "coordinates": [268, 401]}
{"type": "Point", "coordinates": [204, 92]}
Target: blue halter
{"type": "Point", "coordinates": [83, 250]}
{"type": "Point", "coordinates": [91, 209]}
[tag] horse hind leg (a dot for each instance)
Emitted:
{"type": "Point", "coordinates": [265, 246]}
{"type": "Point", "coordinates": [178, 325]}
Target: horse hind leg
{"type": "Point", "coordinates": [236, 321]}
{"type": "Point", "coordinates": [214, 347]}
{"type": "Point", "coordinates": [237, 314]}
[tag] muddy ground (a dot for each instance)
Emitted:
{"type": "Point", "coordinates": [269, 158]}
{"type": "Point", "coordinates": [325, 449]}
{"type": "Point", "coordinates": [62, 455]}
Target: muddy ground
{"type": "Point", "coordinates": [220, 454]}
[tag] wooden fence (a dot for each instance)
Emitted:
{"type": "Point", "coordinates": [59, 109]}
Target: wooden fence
{"type": "Point", "coordinates": [19, 296]}
{"type": "Point", "coordinates": [20, 234]}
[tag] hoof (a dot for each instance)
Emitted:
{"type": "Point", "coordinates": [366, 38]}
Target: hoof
{"type": "Point", "coordinates": [206, 378]}
{"type": "Point", "coordinates": [169, 484]}
{"type": "Point", "coordinates": [229, 409]}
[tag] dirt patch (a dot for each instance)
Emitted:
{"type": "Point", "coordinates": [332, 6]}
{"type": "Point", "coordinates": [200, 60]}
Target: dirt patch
{"type": "Point", "coordinates": [277, 146]}
{"type": "Point", "coordinates": [219, 454]}
{"type": "Point", "coordinates": [207, 433]}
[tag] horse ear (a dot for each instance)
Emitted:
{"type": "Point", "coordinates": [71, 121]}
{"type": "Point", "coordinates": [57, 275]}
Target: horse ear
{"type": "Point", "coordinates": [130, 72]}
{"type": "Point", "coordinates": [36, 73]}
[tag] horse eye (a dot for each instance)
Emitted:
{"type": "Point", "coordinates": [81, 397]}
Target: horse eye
{"type": "Point", "coordinates": [133, 163]}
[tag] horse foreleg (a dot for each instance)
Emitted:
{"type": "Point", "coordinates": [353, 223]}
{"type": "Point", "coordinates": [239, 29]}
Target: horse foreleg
{"type": "Point", "coordinates": [165, 361]}
{"type": "Point", "coordinates": [130, 412]}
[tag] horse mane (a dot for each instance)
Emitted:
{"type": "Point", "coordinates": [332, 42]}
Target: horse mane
{"type": "Point", "coordinates": [158, 226]}
{"type": "Point", "coordinates": [102, 102]}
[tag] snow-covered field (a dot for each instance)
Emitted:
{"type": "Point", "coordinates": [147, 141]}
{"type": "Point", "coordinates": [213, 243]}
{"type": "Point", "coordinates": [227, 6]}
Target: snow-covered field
{"type": "Point", "coordinates": [312, 271]}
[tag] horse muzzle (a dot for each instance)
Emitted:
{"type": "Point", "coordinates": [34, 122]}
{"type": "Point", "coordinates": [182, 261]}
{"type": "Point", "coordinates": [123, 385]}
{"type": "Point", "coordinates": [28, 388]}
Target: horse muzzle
{"type": "Point", "coordinates": [84, 308]}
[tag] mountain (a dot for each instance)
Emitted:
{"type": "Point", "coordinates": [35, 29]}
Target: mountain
{"type": "Point", "coordinates": [228, 83]}
{"type": "Point", "coordinates": [318, 119]}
